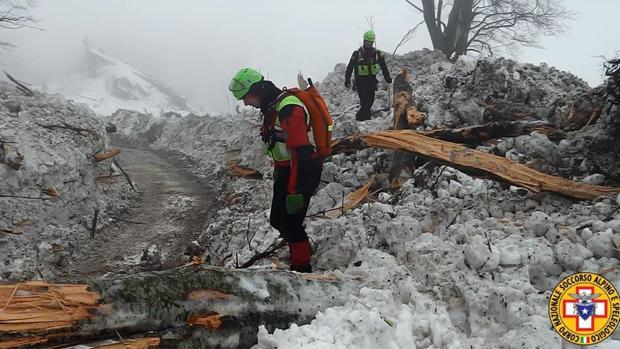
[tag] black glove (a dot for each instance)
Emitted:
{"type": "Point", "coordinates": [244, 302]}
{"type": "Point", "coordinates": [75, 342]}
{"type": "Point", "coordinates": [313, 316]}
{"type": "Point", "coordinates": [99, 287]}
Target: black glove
{"type": "Point", "coordinates": [347, 84]}
{"type": "Point", "coordinates": [388, 80]}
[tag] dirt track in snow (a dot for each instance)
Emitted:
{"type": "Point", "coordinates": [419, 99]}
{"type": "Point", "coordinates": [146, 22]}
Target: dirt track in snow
{"type": "Point", "coordinates": [172, 209]}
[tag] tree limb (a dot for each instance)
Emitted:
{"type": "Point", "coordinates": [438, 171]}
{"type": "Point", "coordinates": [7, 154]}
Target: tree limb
{"type": "Point", "coordinates": [273, 248]}
{"type": "Point", "coordinates": [67, 127]}
{"type": "Point", "coordinates": [407, 36]}
{"type": "Point", "coordinates": [23, 197]}
{"type": "Point", "coordinates": [415, 6]}
{"type": "Point", "coordinates": [124, 174]}
{"type": "Point", "coordinates": [20, 86]}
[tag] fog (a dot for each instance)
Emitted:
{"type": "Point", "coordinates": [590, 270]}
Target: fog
{"type": "Point", "coordinates": [196, 46]}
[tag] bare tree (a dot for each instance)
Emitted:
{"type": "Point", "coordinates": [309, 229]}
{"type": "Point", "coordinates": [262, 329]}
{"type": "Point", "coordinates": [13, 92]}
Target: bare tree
{"type": "Point", "coordinates": [15, 14]}
{"type": "Point", "coordinates": [488, 25]}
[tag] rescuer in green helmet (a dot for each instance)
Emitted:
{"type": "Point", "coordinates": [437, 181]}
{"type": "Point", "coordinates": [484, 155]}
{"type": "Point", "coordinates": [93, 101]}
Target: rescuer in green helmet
{"type": "Point", "coordinates": [297, 164]}
{"type": "Point", "coordinates": [366, 62]}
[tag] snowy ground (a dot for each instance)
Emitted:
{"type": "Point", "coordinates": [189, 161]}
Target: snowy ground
{"type": "Point", "coordinates": [107, 84]}
{"type": "Point", "coordinates": [48, 205]}
{"type": "Point", "coordinates": [459, 263]}
{"type": "Point", "coordinates": [448, 261]}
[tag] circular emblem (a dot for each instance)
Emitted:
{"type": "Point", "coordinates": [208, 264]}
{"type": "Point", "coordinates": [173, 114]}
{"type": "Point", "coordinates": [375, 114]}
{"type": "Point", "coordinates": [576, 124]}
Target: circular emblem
{"type": "Point", "coordinates": [584, 308]}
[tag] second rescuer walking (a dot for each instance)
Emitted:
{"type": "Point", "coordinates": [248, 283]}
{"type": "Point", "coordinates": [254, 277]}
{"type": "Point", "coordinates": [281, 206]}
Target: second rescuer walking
{"type": "Point", "coordinates": [366, 62]}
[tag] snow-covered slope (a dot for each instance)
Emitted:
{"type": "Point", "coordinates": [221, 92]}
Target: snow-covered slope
{"type": "Point", "coordinates": [446, 260]}
{"type": "Point", "coordinates": [109, 84]}
{"type": "Point", "coordinates": [48, 203]}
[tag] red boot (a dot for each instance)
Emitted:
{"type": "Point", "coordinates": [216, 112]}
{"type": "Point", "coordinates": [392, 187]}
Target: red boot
{"type": "Point", "coordinates": [300, 256]}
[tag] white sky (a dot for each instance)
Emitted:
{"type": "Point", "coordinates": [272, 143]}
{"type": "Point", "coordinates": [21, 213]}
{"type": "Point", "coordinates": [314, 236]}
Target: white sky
{"type": "Point", "coordinates": [197, 45]}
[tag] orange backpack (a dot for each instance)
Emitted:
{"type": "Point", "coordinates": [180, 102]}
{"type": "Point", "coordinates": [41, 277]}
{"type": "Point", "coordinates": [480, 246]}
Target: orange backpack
{"type": "Point", "coordinates": [320, 119]}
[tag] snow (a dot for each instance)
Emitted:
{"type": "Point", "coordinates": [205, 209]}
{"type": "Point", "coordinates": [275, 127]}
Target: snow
{"type": "Point", "coordinates": [444, 261]}
{"type": "Point", "coordinates": [112, 84]}
{"type": "Point", "coordinates": [256, 287]}
{"type": "Point", "coordinates": [49, 230]}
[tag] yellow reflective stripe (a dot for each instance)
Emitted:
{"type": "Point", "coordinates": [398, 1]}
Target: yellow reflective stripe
{"type": "Point", "coordinates": [330, 128]}
{"type": "Point", "coordinates": [372, 68]}
{"type": "Point", "coordinates": [292, 99]}
{"type": "Point", "coordinates": [280, 152]}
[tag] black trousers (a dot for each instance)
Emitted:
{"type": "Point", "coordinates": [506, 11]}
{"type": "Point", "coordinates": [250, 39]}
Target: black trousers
{"type": "Point", "coordinates": [366, 87]}
{"type": "Point", "coordinates": [291, 226]}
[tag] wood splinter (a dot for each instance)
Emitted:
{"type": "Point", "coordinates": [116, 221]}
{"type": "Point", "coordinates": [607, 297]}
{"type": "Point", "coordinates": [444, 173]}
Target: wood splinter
{"type": "Point", "coordinates": [107, 154]}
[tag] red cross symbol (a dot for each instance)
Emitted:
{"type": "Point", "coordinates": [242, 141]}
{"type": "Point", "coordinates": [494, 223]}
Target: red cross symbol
{"type": "Point", "coordinates": [570, 310]}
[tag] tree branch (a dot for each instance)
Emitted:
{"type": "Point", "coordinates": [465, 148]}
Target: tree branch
{"type": "Point", "coordinates": [273, 248]}
{"type": "Point", "coordinates": [415, 6]}
{"type": "Point", "coordinates": [20, 86]}
{"type": "Point", "coordinates": [407, 36]}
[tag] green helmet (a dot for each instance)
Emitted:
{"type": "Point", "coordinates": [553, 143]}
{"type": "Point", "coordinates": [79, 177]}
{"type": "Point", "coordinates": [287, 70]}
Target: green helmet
{"type": "Point", "coordinates": [369, 36]}
{"type": "Point", "coordinates": [242, 82]}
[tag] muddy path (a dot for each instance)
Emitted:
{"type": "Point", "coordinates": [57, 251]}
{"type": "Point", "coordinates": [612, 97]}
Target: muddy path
{"type": "Point", "coordinates": [172, 209]}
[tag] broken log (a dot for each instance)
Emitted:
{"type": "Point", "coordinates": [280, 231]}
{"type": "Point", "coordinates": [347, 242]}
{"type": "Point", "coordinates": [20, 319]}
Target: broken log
{"type": "Point", "coordinates": [404, 110]}
{"type": "Point", "coordinates": [107, 154]}
{"type": "Point", "coordinates": [193, 305]}
{"type": "Point", "coordinates": [467, 159]}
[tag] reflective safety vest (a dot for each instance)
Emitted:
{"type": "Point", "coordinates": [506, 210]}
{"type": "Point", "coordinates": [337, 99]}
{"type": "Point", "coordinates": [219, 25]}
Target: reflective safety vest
{"type": "Point", "coordinates": [277, 148]}
{"type": "Point", "coordinates": [365, 68]}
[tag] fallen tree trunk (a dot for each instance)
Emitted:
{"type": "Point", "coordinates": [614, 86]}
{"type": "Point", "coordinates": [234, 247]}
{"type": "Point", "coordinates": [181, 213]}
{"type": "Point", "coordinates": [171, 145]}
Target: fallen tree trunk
{"type": "Point", "coordinates": [476, 135]}
{"type": "Point", "coordinates": [467, 159]}
{"type": "Point", "coordinates": [197, 306]}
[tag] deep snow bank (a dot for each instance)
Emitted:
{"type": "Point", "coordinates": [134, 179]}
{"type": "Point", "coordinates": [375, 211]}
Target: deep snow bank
{"type": "Point", "coordinates": [48, 203]}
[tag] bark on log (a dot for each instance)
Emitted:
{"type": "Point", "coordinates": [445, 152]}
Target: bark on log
{"type": "Point", "coordinates": [403, 102]}
{"type": "Point", "coordinates": [467, 159]}
{"type": "Point", "coordinates": [195, 306]}
{"type": "Point", "coordinates": [470, 135]}
{"type": "Point", "coordinates": [476, 135]}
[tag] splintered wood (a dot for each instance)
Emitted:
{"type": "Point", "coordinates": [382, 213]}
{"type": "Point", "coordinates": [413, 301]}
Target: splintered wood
{"type": "Point", "coordinates": [501, 167]}
{"type": "Point", "coordinates": [201, 295]}
{"type": "Point", "coordinates": [38, 307]}
{"type": "Point", "coordinates": [352, 199]}
{"type": "Point", "coordinates": [212, 321]}
{"type": "Point", "coordinates": [138, 343]}
{"type": "Point", "coordinates": [242, 171]}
